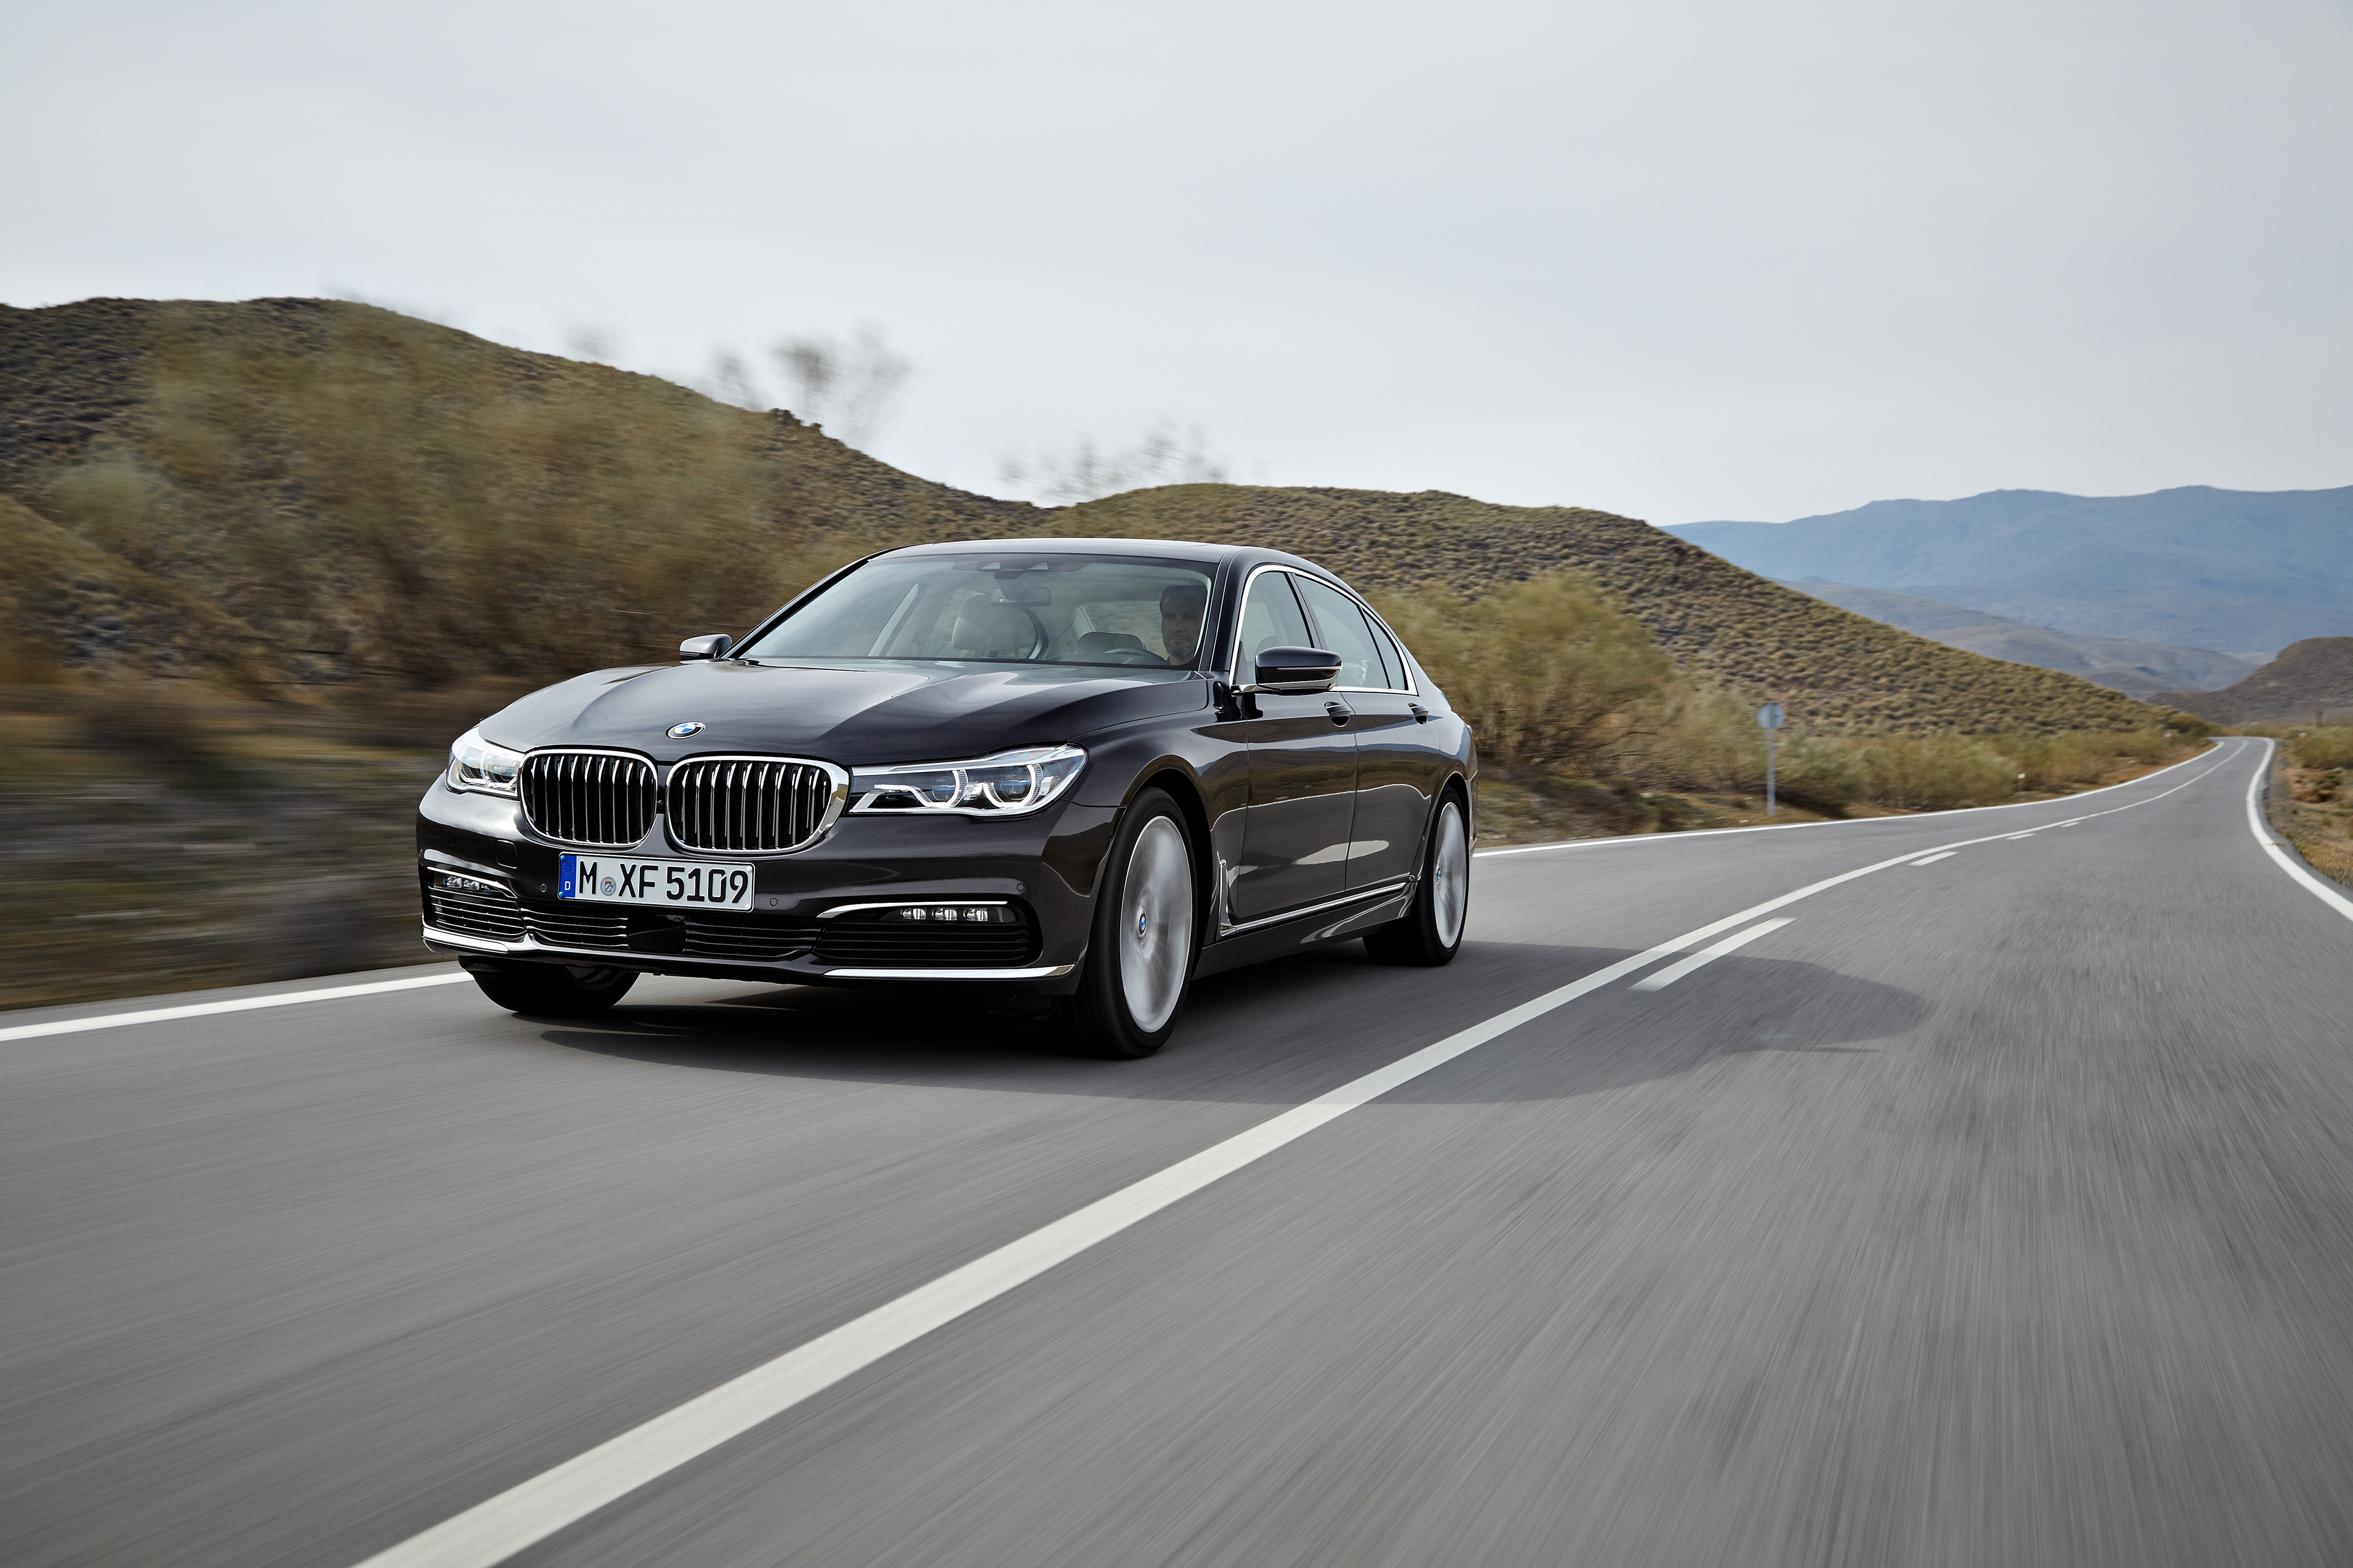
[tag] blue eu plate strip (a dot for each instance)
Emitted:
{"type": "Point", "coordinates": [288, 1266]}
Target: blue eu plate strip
{"type": "Point", "coordinates": [567, 873]}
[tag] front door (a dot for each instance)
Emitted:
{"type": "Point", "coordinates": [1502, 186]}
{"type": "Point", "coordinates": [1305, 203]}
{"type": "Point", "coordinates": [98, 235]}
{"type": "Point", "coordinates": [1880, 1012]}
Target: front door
{"type": "Point", "coordinates": [1398, 770]}
{"type": "Point", "coordinates": [1303, 766]}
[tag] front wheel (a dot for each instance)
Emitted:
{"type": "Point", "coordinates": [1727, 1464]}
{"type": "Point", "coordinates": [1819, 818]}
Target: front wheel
{"type": "Point", "coordinates": [1140, 958]}
{"type": "Point", "coordinates": [1431, 931]}
{"type": "Point", "coordinates": [553, 990]}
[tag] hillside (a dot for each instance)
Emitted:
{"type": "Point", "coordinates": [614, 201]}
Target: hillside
{"type": "Point", "coordinates": [2241, 571]}
{"type": "Point", "coordinates": [2311, 682]}
{"type": "Point", "coordinates": [294, 493]}
{"type": "Point", "coordinates": [2137, 668]}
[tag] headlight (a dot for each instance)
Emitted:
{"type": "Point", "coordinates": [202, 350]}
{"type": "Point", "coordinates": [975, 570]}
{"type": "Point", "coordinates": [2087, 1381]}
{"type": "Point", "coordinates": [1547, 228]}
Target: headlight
{"type": "Point", "coordinates": [1007, 784]}
{"type": "Point", "coordinates": [477, 764]}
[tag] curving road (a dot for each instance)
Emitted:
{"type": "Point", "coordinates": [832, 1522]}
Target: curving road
{"type": "Point", "coordinates": [1994, 1208]}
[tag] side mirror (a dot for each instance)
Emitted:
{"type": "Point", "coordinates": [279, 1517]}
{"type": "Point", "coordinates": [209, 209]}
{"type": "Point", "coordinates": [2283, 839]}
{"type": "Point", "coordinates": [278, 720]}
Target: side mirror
{"type": "Point", "coordinates": [712, 646]}
{"type": "Point", "coordinates": [1295, 670]}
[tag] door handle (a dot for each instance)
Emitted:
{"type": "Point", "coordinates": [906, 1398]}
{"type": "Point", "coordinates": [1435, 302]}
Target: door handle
{"type": "Point", "coordinates": [1421, 714]}
{"type": "Point", "coordinates": [1340, 712]}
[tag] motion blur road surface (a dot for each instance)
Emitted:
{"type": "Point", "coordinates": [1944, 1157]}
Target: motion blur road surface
{"type": "Point", "coordinates": [1996, 1209]}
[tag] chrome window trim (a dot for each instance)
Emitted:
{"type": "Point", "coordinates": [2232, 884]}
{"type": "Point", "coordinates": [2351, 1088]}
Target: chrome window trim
{"type": "Point", "coordinates": [836, 803]}
{"type": "Point", "coordinates": [911, 904]}
{"type": "Point", "coordinates": [1234, 650]}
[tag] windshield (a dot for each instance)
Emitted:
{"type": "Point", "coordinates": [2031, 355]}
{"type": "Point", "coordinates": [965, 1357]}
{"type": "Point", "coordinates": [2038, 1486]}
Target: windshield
{"type": "Point", "coordinates": [1003, 608]}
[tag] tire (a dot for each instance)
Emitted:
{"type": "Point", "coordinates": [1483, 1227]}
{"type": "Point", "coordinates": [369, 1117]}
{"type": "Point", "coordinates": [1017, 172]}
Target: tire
{"type": "Point", "coordinates": [1145, 938]}
{"type": "Point", "coordinates": [554, 990]}
{"type": "Point", "coordinates": [1431, 933]}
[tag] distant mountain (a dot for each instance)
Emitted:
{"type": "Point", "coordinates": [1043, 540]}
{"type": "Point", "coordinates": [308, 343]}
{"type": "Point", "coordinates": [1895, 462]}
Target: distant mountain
{"type": "Point", "coordinates": [2243, 571]}
{"type": "Point", "coordinates": [2311, 681]}
{"type": "Point", "coordinates": [2122, 664]}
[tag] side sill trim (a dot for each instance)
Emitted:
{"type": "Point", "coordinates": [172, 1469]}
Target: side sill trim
{"type": "Point", "coordinates": [1045, 974]}
{"type": "Point", "coordinates": [1359, 896]}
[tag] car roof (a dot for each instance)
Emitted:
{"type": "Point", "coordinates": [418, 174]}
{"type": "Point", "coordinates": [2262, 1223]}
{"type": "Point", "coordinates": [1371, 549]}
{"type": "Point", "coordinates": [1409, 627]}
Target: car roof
{"type": "Point", "coordinates": [1180, 549]}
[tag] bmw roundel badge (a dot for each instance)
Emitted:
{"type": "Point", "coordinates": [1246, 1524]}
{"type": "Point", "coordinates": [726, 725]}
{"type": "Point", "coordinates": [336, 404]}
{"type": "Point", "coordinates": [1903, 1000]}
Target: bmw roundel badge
{"type": "Point", "coordinates": [681, 732]}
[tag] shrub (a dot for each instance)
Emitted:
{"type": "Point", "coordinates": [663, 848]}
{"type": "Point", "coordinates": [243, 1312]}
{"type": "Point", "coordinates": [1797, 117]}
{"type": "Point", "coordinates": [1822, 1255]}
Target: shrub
{"type": "Point", "coordinates": [2331, 748]}
{"type": "Point", "coordinates": [1547, 671]}
{"type": "Point", "coordinates": [1936, 772]}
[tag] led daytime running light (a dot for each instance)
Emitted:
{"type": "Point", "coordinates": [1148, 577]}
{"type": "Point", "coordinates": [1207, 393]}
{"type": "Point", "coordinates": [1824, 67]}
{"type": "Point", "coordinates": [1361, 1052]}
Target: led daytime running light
{"type": "Point", "coordinates": [1009, 783]}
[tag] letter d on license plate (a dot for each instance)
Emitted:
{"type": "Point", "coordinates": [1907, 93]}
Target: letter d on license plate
{"type": "Point", "coordinates": [666, 884]}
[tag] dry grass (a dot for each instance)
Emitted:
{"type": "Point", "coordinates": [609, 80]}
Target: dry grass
{"type": "Point", "coordinates": [339, 494]}
{"type": "Point", "coordinates": [204, 841]}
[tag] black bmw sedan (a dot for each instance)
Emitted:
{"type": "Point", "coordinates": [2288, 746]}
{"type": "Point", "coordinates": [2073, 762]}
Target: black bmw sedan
{"type": "Point", "coordinates": [1088, 771]}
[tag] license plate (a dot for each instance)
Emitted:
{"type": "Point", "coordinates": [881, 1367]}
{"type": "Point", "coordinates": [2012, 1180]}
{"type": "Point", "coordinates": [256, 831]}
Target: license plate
{"type": "Point", "coordinates": [667, 884]}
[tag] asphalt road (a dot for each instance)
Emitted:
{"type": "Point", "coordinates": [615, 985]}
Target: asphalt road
{"type": "Point", "coordinates": [1993, 1210]}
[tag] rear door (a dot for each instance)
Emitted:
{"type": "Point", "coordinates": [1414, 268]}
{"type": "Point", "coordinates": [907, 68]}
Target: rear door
{"type": "Point", "coordinates": [1303, 769]}
{"type": "Point", "coordinates": [1398, 770]}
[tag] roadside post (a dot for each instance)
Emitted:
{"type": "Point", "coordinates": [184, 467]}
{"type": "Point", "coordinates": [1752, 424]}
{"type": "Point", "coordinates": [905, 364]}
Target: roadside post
{"type": "Point", "coordinates": [1769, 718]}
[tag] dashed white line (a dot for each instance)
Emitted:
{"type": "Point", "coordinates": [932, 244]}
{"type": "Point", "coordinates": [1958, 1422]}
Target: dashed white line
{"type": "Point", "coordinates": [494, 1529]}
{"type": "Point", "coordinates": [1705, 956]}
{"type": "Point", "coordinates": [1940, 855]}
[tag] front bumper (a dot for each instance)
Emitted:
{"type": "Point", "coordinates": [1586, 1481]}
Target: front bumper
{"type": "Point", "coordinates": [814, 912]}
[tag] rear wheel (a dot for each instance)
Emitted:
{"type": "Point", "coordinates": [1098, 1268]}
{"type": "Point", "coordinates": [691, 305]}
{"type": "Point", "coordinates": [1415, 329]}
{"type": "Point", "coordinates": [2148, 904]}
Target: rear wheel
{"type": "Point", "coordinates": [1431, 931]}
{"type": "Point", "coordinates": [1140, 959]}
{"type": "Point", "coordinates": [554, 990]}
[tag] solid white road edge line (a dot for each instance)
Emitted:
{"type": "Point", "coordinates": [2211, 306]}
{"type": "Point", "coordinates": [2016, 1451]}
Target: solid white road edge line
{"type": "Point", "coordinates": [2262, 831]}
{"type": "Point", "coordinates": [1851, 822]}
{"type": "Point", "coordinates": [496, 1529]}
{"type": "Point", "coordinates": [241, 1005]}
{"type": "Point", "coordinates": [1706, 957]}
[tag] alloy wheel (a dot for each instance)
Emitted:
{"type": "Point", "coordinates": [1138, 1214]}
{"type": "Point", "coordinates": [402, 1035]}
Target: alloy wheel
{"type": "Point", "coordinates": [1156, 932]}
{"type": "Point", "coordinates": [1450, 870]}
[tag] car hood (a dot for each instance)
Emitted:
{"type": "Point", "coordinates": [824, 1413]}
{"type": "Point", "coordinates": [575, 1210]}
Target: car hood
{"type": "Point", "coordinates": [852, 716]}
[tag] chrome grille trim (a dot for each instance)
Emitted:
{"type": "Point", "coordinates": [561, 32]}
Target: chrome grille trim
{"type": "Point", "coordinates": [491, 912]}
{"type": "Point", "coordinates": [596, 926]}
{"type": "Point", "coordinates": [602, 800]}
{"type": "Point", "coordinates": [752, 804]}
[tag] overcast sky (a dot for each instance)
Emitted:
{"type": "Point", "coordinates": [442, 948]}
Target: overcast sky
{"type": "Point", "coordinates": [1679, 258]}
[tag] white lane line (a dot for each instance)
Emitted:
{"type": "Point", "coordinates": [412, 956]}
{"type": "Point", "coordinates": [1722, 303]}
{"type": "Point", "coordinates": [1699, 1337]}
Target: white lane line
{"type": "Point", "coordinates": [1850, 822]}
{"type": "Point", "coordinates": [241, 1005]}
{"type": "Point", "coordinates": [1940, 855]}
{"type": "Point", "coordinates": [2263, 835]}
{"type": "Point", "coordinates": [494, 1529]}
{"type": "Point", "coordinates": [1705, 956]}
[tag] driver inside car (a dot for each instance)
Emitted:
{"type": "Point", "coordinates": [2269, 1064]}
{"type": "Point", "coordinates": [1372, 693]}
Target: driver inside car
{"type": "Point", "coordinates": [1181, 605]}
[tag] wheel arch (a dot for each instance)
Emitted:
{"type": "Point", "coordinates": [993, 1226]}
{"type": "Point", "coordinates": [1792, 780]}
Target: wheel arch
{"type": "Point", "coordinates": [1180, 786]}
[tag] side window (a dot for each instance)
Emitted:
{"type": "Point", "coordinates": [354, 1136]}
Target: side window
{"type": "Point", "coordinates": [1400, 673]}
{"type": "Point", "coordinates": [1342, 628]}
{"type": "Point", "coordinates": [1270, 618]}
